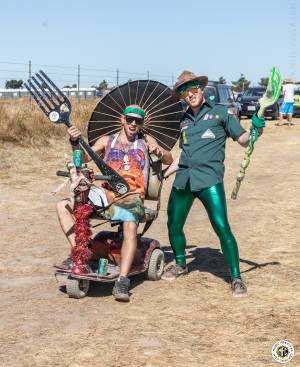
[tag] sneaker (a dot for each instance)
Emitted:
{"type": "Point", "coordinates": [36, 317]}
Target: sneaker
{"type": "Point", "coordinates": [174, 271]}
{"type": "Point", "coordinates": [238, 287]}
{"type": "Point", "coordinates": [65, 265]}
{"type": "Point", "coordinates": [120, 290]}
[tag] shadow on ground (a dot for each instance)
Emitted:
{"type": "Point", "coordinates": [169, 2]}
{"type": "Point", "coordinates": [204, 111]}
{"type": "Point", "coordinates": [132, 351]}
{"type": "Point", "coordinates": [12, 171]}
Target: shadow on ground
{"type": "Point", "coordinates": [207, 259]}
{"type": "Point", "coordinates": [104, 289]}
{"type": "Point", "coordinates": [211, 260]}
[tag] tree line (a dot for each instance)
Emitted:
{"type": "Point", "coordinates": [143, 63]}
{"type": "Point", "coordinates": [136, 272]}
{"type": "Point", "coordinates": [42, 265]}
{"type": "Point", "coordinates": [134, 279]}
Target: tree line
{"type": "Point", "coordinates": [237, 86]}
{"type": "Point", "coordinates": [18, 84]}
{"type": "Point", "coordinates": [242, 83]}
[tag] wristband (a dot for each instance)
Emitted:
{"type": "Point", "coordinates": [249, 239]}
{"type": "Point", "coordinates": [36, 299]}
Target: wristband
{"type": "Point", "coordinates": [161, 156]}
{"type": "Point", "coordinates": [74, 143]}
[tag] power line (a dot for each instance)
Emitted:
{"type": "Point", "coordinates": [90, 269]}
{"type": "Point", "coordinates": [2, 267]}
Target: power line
{"type": "Point", "coordinates": [14, 71]}
{"type": "Point", "coordinates": [86, 78]}
{"type": "Point", "coordinates": [83, 68]}
{"type": "Point", "coordinates": [13, 63]}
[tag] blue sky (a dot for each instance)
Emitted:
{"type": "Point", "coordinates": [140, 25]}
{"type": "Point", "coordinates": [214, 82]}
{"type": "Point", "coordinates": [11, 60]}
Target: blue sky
{"type": "Point", "coordinates": [214, 38]}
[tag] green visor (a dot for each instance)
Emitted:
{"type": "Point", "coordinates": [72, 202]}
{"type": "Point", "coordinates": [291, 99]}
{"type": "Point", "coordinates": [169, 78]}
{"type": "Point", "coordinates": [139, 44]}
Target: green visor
{"type": "Point", "coordinates": [136, 110]}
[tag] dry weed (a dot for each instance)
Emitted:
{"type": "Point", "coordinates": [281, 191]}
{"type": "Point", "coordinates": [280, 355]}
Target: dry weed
{"type": "Point", "coordinates": [26, 125]}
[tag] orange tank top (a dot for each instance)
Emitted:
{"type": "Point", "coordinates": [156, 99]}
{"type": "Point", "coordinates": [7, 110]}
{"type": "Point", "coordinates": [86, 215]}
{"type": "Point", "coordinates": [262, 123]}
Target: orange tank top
{"type": "Point", "coordinates": [130, 160]}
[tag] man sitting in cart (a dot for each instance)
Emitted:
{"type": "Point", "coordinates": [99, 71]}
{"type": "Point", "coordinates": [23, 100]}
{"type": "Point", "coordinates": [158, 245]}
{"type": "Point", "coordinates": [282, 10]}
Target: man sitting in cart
{"type": "Point", "coordinates": [127, 153]}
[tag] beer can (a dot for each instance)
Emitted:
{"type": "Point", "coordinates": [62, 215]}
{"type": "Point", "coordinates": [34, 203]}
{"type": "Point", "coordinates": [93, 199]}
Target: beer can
{"type": "Point", "coordinates": [102, 266]}
{"type": "Point", "coordinates": [77, 158]}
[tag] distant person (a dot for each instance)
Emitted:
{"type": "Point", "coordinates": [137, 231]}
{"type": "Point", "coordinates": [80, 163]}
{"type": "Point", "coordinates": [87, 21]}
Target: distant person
{"type": "Point", "coordinates": [287, 107]}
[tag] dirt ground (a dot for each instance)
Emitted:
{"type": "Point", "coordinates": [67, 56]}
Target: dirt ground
{"type": "Point", "coordinates": [193, 321]}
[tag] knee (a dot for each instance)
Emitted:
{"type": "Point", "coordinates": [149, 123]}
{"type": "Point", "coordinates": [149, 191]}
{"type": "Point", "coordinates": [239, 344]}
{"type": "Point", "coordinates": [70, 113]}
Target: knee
{"type": "Point", "coordinates": [62, 207]}
{"type": "Point", "coordinates": [174, 227]}
{"type": "Point", "coordinates": [170, 225]}
{"type": "Point", "coordinates": [175, 221]}
{"type": "Point", "coordinates": [130, 230]}
{"type": "Point", "coordinates": [223, 230]}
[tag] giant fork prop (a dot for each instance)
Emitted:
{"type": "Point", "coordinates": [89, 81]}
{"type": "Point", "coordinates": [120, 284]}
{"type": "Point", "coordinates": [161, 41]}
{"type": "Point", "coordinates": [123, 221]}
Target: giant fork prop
{"type": "Point", "coordinates": [268, 99]}
{"type": "Point", "coordinates": [57, 108]}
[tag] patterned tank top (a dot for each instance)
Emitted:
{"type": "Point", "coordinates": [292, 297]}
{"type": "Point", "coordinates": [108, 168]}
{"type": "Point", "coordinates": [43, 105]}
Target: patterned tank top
{"type": "Point", "coordinates": [131, 161]}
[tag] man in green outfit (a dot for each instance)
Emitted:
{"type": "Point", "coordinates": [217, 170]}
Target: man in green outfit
{"type": "Point", "coordinates": [200, 171]}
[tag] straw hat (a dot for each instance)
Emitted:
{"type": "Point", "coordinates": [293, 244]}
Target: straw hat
{"type": "Point", "coordinates": [188, 76]}
{"type": "Point", "coordinates": [288, 81]}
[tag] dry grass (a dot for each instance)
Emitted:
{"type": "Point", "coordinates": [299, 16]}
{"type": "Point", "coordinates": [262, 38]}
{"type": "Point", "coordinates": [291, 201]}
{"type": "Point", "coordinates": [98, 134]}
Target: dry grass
{"type": "Point", "coordinates": [26, 125]}
{"type": "Point", "coordinates": [193, 321]}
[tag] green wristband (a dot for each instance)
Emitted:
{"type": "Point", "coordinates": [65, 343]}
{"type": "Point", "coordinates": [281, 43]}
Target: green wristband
{"type": "Point", "coordinates": [258, 123]}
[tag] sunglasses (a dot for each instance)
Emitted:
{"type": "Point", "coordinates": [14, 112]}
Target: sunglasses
{"type": "Point", "coordinates": [184, 92]}
{"type": "Point", "coordinates": [130, 119]}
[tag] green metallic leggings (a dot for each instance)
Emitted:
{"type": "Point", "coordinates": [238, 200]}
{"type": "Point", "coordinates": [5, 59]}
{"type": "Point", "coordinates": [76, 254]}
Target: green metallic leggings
{"type": "Point", "coordinates": [214, 201]}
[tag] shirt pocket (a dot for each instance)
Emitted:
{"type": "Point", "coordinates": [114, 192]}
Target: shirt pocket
{"type": "Point", "coordinates": [211, 123]}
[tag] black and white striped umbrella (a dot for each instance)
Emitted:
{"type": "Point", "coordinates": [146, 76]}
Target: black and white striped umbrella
{"type": "Point", "coordinates": [162, 111]}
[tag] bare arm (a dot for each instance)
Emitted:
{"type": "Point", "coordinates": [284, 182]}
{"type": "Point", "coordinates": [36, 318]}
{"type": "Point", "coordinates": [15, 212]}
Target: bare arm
{"type": "Point", "coordinates": [98, 147]}
{"type": "Point", "coordinates": [165, 156]}
{"type": "Point", "coordinates": [172, 168]}
{"type": "Point", "coordinates": [244, 139]}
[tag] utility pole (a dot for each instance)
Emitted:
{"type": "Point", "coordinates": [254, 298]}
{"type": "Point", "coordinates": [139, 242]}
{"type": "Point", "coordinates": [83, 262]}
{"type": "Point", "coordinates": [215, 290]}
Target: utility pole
{"type": "Point", "coordinates": [148, 75]}
{"type": "Point", "coordinates": [78, 83]}
{"type": "Point", "coordinates": [29, 76]}
{"type": "Point", "coordinates": [117, 77]}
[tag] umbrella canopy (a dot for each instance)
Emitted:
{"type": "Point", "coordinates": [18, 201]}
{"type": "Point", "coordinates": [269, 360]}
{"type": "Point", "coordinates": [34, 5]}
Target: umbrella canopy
{"type": "Point", "coordinates": [162, 111]}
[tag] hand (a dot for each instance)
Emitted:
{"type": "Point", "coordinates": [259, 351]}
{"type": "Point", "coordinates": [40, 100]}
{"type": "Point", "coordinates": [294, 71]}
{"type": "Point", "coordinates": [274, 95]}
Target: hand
{"type": "Point", "coordinates": [260, 131]}
{"type": "Point", "coordinates": [166, 172]}
{"type": "Point", "coordinates": [257, 122]}
{"type": "Point", "coordinates": [256, 132]}
{"type": "Point", "coordinates": [74, 133]}
{"type": "Point", "coordinates": [156, 149]}
{"type": "Point", "coordinates": [257, 125]}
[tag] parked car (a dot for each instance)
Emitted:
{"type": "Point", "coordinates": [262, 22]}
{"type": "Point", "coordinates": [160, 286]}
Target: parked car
{"type": "Point", "coordinates": [249, 100]}
{"type": "Point", "coordinates": [222, 94]}
{"type": "Point", "coordinates": [239, 95]}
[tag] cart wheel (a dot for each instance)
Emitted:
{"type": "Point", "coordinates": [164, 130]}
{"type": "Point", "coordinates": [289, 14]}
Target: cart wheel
{"type": "Point", "coordinates": [77, 288]}
{"type": "Point", "coordinates": [156, 265]}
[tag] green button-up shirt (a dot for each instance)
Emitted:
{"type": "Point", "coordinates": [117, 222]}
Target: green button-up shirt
{"type": "Point", "coordinates": [202, 139]}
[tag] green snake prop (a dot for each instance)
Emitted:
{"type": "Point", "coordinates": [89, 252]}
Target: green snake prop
{"type": "Point", "coordinates": [270, 97]}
